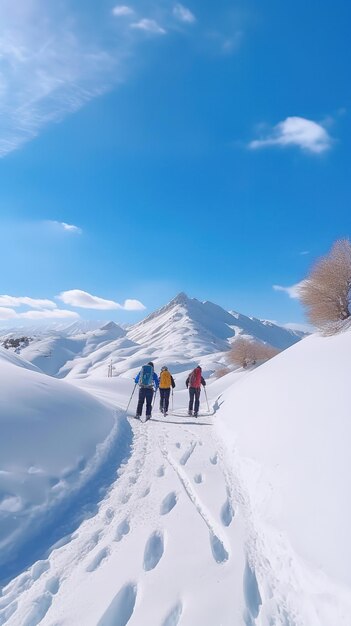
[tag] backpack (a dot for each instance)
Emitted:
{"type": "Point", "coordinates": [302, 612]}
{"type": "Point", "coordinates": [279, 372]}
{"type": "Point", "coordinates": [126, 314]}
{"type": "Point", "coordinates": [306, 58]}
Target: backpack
{"type": "Point", "coordinates": [146, 377]}
{"type": "Point", "coordinates": [165, 379]}
{"type": "Point", "coordinates": [195, 378]}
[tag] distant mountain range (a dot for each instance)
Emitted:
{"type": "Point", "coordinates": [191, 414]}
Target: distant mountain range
{"type": "Point", "coordinates": [181, 334]}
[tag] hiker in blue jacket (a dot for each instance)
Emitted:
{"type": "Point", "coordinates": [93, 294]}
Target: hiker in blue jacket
{"type": "Point", "coordinates": [148, 383]}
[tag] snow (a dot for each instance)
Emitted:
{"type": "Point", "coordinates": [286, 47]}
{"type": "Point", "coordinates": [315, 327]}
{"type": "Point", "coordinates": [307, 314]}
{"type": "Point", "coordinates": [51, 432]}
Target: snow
{"type": "Point", "coordinates": [53, 437]}
{"type": "Point", "coordinates": [287, 428]}
{"type": "Point", "coordinates": [238, 517]}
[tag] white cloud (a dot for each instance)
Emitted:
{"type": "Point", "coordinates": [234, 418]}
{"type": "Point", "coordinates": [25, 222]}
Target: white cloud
{"type": "Point", "coordinates": [293, 291]}
{"type": "Point", "coordinates": [183, 14]}
{"type": "Point", "coordinates": [296, 131]}
{"type": "Point", "coordinates": [48, 314]}
{"type": "Point", "coordinates": [71, 228]}
{"type": "Point", "coordinates": [7, 314]}
{"type": "Point", "coordinates": [148, 25]}
{"type": "Point", "coordinates": [85, 300]}
{"type": "Point", "coordinates": [133, 305]}
{"type": "Point", "coordinates": [121, 10]}
{"type": "Point", "coordinates": [304, 252]}
{"type": "Point", "coordinates": [34, 303]}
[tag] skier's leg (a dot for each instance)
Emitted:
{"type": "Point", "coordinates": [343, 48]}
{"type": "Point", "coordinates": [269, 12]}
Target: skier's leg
{"type": "Point", "coordinates": [191, 399]}
{"type": "Point", "coordinates": [162, 399]}
{"type": "Point", "coordinates": [149, 394]}
{"type": "Point", "coordinates": [140, 402]}
{"type": "Point", "coordinates": [166, 399]}
{"type": "Point", "coordinates": [197, 400]}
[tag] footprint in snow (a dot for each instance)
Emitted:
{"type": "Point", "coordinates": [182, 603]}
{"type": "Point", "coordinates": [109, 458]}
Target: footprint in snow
{"type": "Point", "coordinates": [168, 503]}
{"type": "Point", "coordinates": [125, 498]}
{"type": "Point", "coordinates": [161, 471]}
{"type": "Point", "coordinates": [53, 585]}
{"type": "Point", "coordinates": [251, 592]}
{"type": "Point", "coordinates": [173, 616]}
{"type": "Point", "coordinates": [98, 559]}
{"type": "Point", "coordinates": [122, 529]}
{"type": "Point", "coordinates": [198, 478]}
{"type": "Point", "coordinates": [214, 459]}
{"type": "Point", "coordinates": [40, 607]}
{"type": "Point", "coordinates": [109, 515]}
{"type": "Point", "coordinates": [227, 513]}
{"type": "Point", "coordinates": [177, 444]}
{"type": "Point", "coordinates": [153, 550]}
{"type": "Point", "coordinates": [146, 492]}
{"type": "Point", "coordinates": [121, 608]}
{"type": "Point", "coordinates": [219, 552]}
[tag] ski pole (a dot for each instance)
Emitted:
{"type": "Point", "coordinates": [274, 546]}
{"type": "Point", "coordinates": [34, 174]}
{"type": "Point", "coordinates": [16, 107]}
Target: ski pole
{"type": "Point", "coordinates": [172, 401]}
{"type": "Point", "coordinates": [130, 399]}
{"type": "Point", "coordinates": [155, 394]}
{"type": "Point", "coordinates": [208, 406]}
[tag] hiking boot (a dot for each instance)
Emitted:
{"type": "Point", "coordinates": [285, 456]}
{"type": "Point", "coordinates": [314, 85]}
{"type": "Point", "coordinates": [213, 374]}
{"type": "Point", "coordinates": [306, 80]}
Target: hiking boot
{"type": "Point", "coordinates": [190, 413]}
{"type": "Point", "coordinates": [137, 417]}
{"type": "Point", "coordinates": [148, 417]}
{"type": "Point", "coordinates": [195, 414]}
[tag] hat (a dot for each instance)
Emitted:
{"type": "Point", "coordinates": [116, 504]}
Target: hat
{"type": "Point", "coordinates": [150, 363]}
{"type": "Point", "coordinates": [164, 368]}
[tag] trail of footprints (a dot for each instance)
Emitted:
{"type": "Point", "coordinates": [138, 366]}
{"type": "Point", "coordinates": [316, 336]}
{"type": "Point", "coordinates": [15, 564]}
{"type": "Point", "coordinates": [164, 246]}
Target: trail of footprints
{"type": "Point", "coordinates": [122, 606]}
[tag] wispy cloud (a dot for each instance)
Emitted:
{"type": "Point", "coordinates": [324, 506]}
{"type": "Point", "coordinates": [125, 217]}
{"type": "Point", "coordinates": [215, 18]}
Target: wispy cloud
{"type": "Point", "coordinates": [296, 131]}
{"type": "Point", "coordinates": [122, 10]}
{"type": "Point", "coordinates": [70, 228]}
{"type": "Point", "coordinates": [34, 303]}
{"type": "Point", "coordinates": [293, 291]}
{"type": "Point", "coordinates": [49, 68]}
{"type": "Point", "coordinates": [149, 26]}
{"type": "Point", "coordinates": [83, 299]}
{"type": "Point", "coordinates": [183, 14]}
{"type": "Point", "coordinates": [55, 57]}
{"type": "Point", "coordinates": [304, 252]}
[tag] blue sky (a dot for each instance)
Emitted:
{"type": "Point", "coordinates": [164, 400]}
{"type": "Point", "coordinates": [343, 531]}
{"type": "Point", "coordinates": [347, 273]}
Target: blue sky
{"type": "Point", "coordinates": [154, 147]}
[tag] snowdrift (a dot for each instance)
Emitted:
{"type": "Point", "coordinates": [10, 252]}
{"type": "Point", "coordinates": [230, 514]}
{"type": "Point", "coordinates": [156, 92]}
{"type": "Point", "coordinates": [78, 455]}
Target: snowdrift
{"type": "Point", "coordinates": [53, 438]}
{"type": "Point", "coordinates": [287, 427]}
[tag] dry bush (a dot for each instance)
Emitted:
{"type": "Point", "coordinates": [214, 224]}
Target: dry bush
{"type": "Point", "coordinates": [222, 372]}
{"type": "Point", "coordinates": [246, 353]}
{"type": "Point", "coordinates": [325, 293]}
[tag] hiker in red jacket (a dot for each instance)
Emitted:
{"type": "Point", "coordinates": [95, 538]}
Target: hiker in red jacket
{"type": "Point", "coordinates": [194, 382]}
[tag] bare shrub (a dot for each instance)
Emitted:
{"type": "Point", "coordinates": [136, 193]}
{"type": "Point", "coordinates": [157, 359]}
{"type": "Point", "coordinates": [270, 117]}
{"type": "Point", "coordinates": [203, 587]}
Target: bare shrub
{"type": "Point", "coordinates": [325, 293]}
{"type": "Point", "coordinates": [222, 372]}
{"type": "Point", "coordinates": [246, 353]}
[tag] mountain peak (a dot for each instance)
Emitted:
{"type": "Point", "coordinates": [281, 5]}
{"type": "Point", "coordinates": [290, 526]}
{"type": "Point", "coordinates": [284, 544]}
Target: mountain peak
{"type": "Point", "coordinates": [181, 298]}
{"type": "Point", "coordinates": [109, 326]}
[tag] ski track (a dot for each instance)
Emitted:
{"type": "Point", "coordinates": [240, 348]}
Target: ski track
{"type": "Point", "coordinates": [121, 516]}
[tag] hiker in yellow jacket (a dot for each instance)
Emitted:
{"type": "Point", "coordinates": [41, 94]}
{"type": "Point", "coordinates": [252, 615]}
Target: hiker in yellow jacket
{"type": "Point", "coordinates": [166, 382]}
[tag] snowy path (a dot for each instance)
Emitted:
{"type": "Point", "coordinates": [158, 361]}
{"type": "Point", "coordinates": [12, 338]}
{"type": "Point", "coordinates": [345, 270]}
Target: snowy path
{"type": "Point", "coordinates": [166, 545]}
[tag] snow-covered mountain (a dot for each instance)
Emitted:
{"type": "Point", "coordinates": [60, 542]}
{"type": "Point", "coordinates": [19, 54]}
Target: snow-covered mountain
{"type": "Point", "coordinates": [204, 327]}
{"type": "Point", "coordinates": [180, 334]}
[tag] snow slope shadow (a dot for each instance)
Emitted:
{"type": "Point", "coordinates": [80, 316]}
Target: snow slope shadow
{"type": "Point", "coordinates": [65, 519]}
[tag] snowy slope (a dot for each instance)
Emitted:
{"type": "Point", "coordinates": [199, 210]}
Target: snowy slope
{"type": "Point", "coordinates": [237, 518]}
{"type": "Point", "coordinates": [287, 428]}
{"type": "Point", "coordinates": [53, 352]}
{"type": "Point", "coordinates": [53, 439]}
